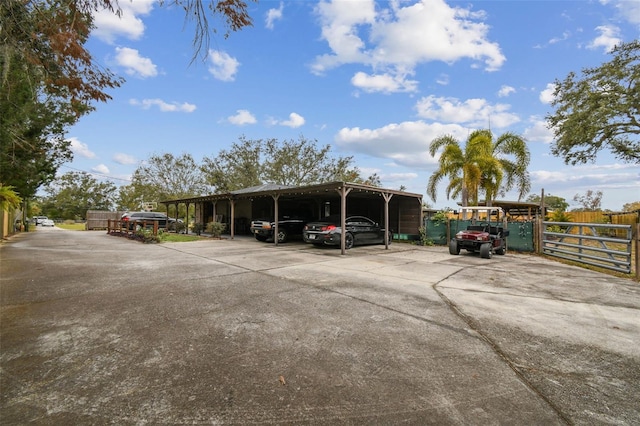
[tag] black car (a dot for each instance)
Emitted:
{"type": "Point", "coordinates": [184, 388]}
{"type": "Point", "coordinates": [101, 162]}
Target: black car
{"type": "Point", "coordinates": [288, 227]}
{"type": "Point", "coordinates": [360, 230]}
{"type": "Point", "coordinates": [148, 218]}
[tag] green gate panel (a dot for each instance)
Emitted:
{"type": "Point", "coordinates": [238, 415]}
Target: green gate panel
{"type": "Point", "coordinates": [436, 232]}
{"type": "Point", "coordinates": [520, 234]}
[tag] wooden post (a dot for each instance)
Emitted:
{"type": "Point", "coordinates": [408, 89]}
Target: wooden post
{"type": "Point", "coordinates": [637, 240]}
{"type": "Point", "coordinates": [233, 217]}
{"type": "Point", "coordinates": [387, 198]}
{"type": "Point", "coordinates": [538, 236]}
{"type": "Point", "coordinates": [276, 214]}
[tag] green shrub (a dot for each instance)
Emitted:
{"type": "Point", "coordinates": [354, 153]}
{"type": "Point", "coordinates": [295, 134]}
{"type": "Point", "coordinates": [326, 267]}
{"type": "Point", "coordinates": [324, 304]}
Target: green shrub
{"type": "Point", "coordinates": [198, 228]}
{"type": "Point", "coordinates": [147, 237]}
{"type": "Point", "coordinates": [424, 240]}
{"type": "Point", "coordinates": [216, 228]}
{"type": "Point", "coordinates": [179, 227]}
{"type": "Point", "coordinates": [559, 216]}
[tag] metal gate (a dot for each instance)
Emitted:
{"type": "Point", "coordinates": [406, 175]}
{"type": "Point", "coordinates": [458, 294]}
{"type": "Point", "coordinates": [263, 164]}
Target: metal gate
{"type": "Point", "coordinates": [603, 245]}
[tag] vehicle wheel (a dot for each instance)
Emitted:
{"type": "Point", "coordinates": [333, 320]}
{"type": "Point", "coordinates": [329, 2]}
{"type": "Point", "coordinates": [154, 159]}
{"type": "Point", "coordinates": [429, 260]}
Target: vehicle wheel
{"type": "Point", "coordinates": [282, 236]}
{"type": "Point", "coordinates": [261, 238]}
{"type": "Point", "coordinates": [453, 247]}
{"type": "Point", "coordinates": [503, 248]}
{"type": "Point", "coordinates": [485, 251]}
{"type": "Point", "coordinates": [348, 240]}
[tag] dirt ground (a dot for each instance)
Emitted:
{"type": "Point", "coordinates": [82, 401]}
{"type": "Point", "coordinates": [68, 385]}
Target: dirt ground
{"type": "Point", "coordinates": [97, 329]}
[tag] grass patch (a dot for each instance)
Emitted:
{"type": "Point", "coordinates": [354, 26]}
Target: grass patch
{"type": "Point", "coordinates": [71, 226]}
{"type": "Point", "coordinates": [179, 238]}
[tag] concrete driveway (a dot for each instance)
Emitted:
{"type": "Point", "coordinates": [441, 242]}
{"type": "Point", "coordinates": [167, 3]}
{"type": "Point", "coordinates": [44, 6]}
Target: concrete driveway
{"type": "Point", "coordinates": [97, 329]}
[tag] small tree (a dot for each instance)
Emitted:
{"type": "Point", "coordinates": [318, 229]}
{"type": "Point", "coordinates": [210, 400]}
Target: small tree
{"type": "Point", "coordinates": [216, 229]}
{"type": "Point", "coordinates": [631, 207]}
{"type": "Point", "coordinates": [590, 201]}
{"type": "Point", "coordinates": [551, 201]}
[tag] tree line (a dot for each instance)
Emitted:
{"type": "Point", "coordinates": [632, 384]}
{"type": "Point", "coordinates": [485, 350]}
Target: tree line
{"type": "Point", "coordinates": [167, 176]}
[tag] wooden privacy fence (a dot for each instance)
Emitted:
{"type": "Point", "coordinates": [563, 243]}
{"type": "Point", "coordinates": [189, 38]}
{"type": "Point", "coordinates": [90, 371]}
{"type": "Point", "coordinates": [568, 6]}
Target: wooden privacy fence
{"type": "Point", "coordinates": [98, 219]}
{"type": "Point", "coordinates": [591, 243]}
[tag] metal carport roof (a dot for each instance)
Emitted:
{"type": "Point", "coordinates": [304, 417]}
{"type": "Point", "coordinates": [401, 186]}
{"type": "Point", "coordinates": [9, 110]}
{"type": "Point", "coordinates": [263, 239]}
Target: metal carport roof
{"type": "Point", "coordinates": [341, 189]}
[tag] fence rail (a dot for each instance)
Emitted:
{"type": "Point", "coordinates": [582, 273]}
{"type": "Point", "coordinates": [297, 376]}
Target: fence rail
{"type": "Point", "coordinates": [589, 243]}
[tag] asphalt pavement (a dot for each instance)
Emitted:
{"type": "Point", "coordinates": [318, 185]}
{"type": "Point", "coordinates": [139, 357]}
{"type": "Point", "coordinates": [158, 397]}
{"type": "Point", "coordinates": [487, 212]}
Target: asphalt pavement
{"type": "Point", "coordinates": [99, 329]}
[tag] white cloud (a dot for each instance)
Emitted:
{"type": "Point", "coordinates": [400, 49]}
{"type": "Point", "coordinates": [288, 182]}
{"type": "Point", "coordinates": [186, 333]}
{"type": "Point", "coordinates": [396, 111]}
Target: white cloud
{"type": "Point", "coordinates": [538, 131]}
{"type": "Point", "coordinates": [628, 10]}
{"type": "Point", "coordinates": [406, 143]}
{"type": "Point", "coordinates": [223, 67]}
{"type": "Point", "coordinates": [273, 15]}
{"type": "Point", "coordinates": [608, 38]}
{"type": "Point", "coordinates": [397, 177]}
{"type": "Point", "coordinates": [242, 117]}
{"type": "Point", "coordinates": [584, 179]}
{"type": "Point", "coordinates": [505, 91]}
{"type": "Point", "coordinates": [124, 159]}
{"type": "Point", "coordinates": [109, 26]}
{"type": "Point", "coordinates": [294, 121]}
{"type": "Point", "coordinates": [565, 36]}
{"type": "Point", "coordinates": [472, 112]}
{"type": "Point", "coordinates": [81, 149]}
{"type": "Point", "coordinates": [385, 83]}
{"type": "Point", "coordinates": [163, 106]}
{"type": "Point", "coordinates": [100, 168]}
{"type": "Point", "coordinates": [443, 80]}
{"type": "Point", "coordinates": [546, 96]}
{"type": "Point", "coordinates": [400, 38]}
{"type": "Point", "coordinates": [134, 63]}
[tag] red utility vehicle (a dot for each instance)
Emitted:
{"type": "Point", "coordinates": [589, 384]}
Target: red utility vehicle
{"type": "Point", "coordinates": [487, 233]}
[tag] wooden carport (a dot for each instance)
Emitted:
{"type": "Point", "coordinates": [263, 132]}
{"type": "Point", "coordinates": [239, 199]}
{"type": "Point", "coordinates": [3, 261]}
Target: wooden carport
{"type": "Point", "coordinates": [398, 210]}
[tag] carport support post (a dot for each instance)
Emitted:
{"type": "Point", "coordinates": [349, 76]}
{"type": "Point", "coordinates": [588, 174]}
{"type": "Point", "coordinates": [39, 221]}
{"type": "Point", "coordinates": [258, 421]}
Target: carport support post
{"type": "Point", "coordinates": [186, 219]}
{"type": "Point", "coordinates": [343, 215]}
{"type": "Point", "coordinates": [275, 210]}
{"type": "Point", "coordinates": [233, 217]}
{"type": "Point", "coordinates": [387, 198]}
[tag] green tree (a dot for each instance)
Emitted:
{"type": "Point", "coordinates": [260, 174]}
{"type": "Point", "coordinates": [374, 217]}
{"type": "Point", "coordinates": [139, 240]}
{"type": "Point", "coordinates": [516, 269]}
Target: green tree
{"type": "Point", "coordinates": [591, 201]}
{"type": "Point", "coordinates": [551, 201]}
{"type": "Point", "coordinates": [599, 110]}
{"type": "Point", "coordinates": [483, 166]}
{"type": "Point", "coordinates": [166, 176]}
{"type": "Point", "coordinates": [631, 207]}
{"type": "Point", "coordinates": [48, 80]}
{"type": "Point", "coordinates": [254, 162]}
{"type": "Point", "coordinates": [128, 199]}
{"type": "Point", "coordinates": [73, 193]}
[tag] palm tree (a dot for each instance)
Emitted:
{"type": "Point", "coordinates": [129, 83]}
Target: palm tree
{"type": "Point", "coordinates": [487, 166]}
{"type": "Point", "coordinates": [9, 198]}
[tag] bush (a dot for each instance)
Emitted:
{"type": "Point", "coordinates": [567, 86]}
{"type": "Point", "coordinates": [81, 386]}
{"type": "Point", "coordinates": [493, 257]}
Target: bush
{"type": "Point", "coordinates": [147, 237]}
{"type": "Point", "coordinates": [179, 227]}
{"type": "Point", "coordinates": [424, 240]}
{"type": "Point", "coordinates": [559, 216]}
{"type": "Point", "coordinates": [198, 228]}
{"type": "Point", "coordinates": [216, 228]}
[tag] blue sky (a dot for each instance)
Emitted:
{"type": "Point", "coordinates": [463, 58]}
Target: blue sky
{"type": "Point", "coordinates": [375, 80]}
